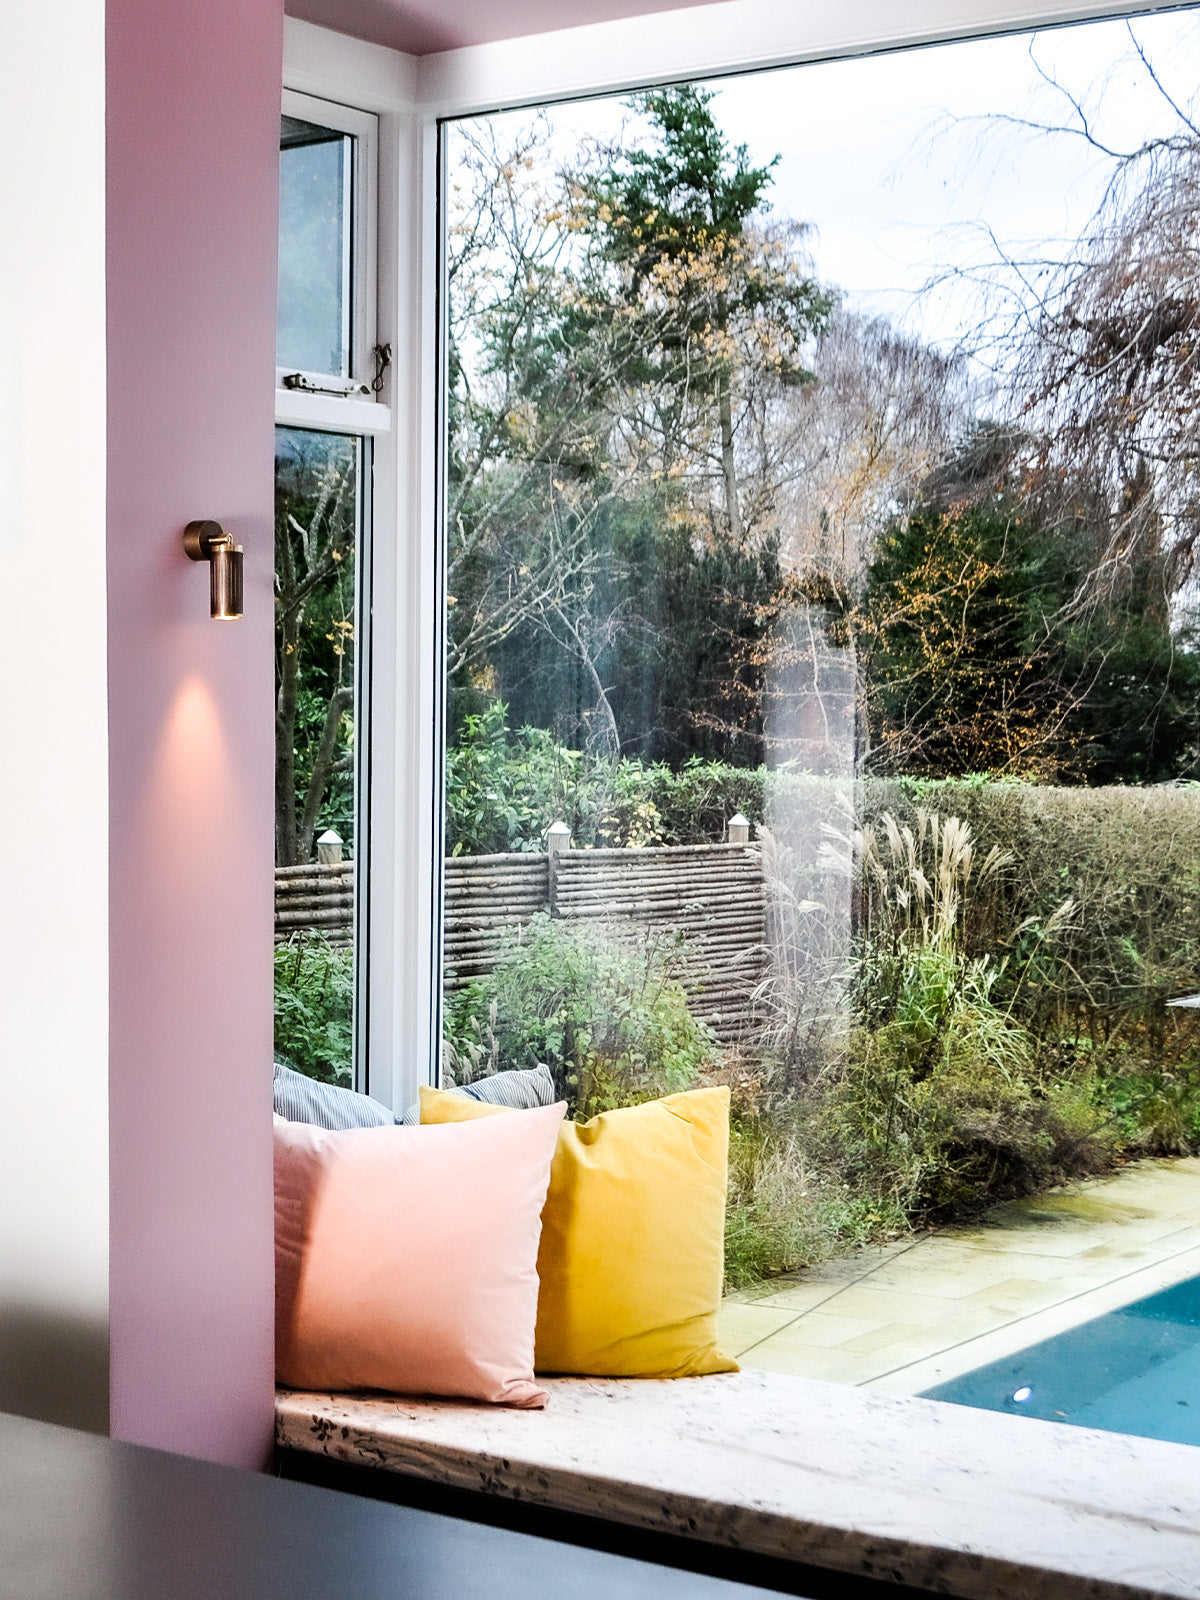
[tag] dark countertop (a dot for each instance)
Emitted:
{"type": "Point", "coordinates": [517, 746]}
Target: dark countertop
{"type": "Point", "coordinates": [85, 1518]}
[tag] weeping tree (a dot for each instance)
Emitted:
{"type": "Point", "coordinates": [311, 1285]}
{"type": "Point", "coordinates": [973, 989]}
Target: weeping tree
{"type": "Point", "coordinates": [1098, 344]}
{"type": "Point", "coordinates": [1113, 376]}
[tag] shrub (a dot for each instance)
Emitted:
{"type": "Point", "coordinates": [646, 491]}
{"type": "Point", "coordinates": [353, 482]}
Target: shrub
{"type": "Point", "coordinates": [1145, 1085]}
{"type": "Point", "coordinates": [504, 788]}
{"type": "Point", "coordinates": [783, 1211]}
{"type": "Point", "coordinates": [602, 1006]}
{"type": "Point", "coordinates": [1129, 859]}
{"type": "Point", "coordinates": [314, 1007]}
{"type": "Point", "coordinates": [943, 1101]}
{"type": "Point", "coordinates": [964, 1131]}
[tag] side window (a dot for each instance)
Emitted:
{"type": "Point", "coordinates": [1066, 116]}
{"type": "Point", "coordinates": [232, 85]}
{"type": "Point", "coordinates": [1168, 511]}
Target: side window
{"type": "Point", "coordinates": [326, 363]}
{"type": "Point", "coordinates": [325, 331]}
{"type": "Point", "coordinates": [316, 183]}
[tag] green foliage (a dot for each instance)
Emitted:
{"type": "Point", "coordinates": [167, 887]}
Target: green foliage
{"type": "Point", "coordinates": [679, 635]}
{"type": "Point", "coordinates": [603, 1009]}
{"type": "Point", "coordinates": [956, 671]}
{"type": "Point", "coordinates": [673, 213]}
{"type": "Point", "coordinates": [1145, 1085]}
{"type": "Point", "coordinates": [314, 1007]}
{"type": "Point", "coordinates": [943, 1100]}
{"type": "Point", "coordinates": [977, 658]}
{"type": "Point", "coordinates": [504, 789]}
{"type": "Point", "coordinates": [784, 1210]}
{"type": "Point", "coordinates": [1004, 991]}
{"type": "Point", "coordinates": [612, 328]}
{"type": "Point", "coordinates": [316, 524]}
{"type": "Point", "coordinates": [941, 1126]}
{"type": "Point", "coordinates": [1128, 859]}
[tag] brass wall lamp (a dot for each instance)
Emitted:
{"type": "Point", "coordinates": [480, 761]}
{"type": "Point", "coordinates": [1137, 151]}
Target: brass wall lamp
{"type": "Point", "coordinates": [208, 541]}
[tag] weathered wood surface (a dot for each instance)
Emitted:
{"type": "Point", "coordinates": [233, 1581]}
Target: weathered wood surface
{"type": "Point", "coordinates": [486, 896]}
{"type": "Point", "coordinates": [711, 898]}
{"type": "Point", "coordinates": [315, 897]}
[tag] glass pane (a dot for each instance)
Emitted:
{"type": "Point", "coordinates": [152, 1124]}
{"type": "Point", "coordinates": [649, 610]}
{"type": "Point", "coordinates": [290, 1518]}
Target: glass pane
{"type": "Point", "coordinates": [824, 672]}
{"type": "Point", "coordinates": [315, 166]}
{"type": "Point", "coordinates": [317, 532]}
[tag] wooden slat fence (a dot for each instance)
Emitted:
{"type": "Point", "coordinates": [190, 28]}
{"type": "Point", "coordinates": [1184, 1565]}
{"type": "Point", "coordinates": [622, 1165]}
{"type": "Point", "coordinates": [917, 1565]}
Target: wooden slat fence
{"type": "Point", "coordinates": [710, 893]}
{"type": "Point", "coordinates": [485, 896]}
{"type": "Point", "coordinates": [713, 895]}
{"type": "Point", "coordinates": [316, 897]}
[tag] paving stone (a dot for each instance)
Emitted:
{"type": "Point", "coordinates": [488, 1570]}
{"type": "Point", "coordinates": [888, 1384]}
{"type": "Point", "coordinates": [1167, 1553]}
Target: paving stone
{"type": "Point", "coordinates": [742, 1326]}
{"type": "Point", "coordinates": [871, 1313]}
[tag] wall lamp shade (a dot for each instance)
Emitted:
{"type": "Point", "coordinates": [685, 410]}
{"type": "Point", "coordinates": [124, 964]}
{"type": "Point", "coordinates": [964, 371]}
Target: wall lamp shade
{"type": "Point", "coordinates": [208, 541]}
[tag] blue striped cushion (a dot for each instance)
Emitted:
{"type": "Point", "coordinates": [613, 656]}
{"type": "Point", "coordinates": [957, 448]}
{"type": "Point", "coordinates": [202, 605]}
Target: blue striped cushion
{"type": "Point", "coordinates": [301, 1099]}
{"type": "Point", "coordinates": [519, 1090]}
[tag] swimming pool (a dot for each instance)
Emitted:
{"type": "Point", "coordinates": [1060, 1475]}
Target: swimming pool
{"type": "Point", "coordinates": [1136, 1370]}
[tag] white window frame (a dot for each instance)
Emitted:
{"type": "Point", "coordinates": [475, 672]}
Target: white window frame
{"type": "Point", "coordinates": [393, 1032]}
{"type": "Point", "coordinates": [347, 413]}
{"type": "Point", "coordinates": [411, 96]}
{"type": "Point", "coordinates": [368, 418]}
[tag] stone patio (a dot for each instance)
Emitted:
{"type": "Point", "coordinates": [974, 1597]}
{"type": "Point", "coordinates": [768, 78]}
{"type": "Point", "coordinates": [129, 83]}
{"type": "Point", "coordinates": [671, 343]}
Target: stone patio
{"type": "Point", "coordinates": [901, 1317]}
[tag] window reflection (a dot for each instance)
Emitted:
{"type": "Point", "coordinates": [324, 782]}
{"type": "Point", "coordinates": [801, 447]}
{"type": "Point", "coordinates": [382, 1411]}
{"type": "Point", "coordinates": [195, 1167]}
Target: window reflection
{"type": "Point", "coordinates": [315, 168]}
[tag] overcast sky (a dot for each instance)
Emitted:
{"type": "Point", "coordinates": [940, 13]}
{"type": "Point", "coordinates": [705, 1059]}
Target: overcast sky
{"type": "Point", "coordinates": [894, 163]}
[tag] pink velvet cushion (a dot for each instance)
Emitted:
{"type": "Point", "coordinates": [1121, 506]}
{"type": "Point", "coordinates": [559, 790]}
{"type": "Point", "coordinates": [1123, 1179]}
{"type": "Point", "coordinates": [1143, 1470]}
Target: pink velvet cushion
{"type": "Point", "coordinates": [406, 1258]}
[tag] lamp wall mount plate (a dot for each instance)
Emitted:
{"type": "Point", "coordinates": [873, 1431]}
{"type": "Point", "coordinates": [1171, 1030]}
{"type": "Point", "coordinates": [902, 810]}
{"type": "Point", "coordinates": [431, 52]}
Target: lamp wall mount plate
{"type": "Point", "coordinates": [208, 541]}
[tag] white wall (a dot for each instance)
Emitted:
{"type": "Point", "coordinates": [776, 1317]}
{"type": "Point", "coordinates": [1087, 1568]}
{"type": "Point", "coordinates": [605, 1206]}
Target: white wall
{"type": "Point", "coordinates": [53, 714]}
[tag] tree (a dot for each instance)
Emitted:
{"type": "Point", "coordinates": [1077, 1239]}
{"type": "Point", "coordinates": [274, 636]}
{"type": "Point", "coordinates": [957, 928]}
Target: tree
{"type": "Point", "coordinates": [861, 441]}
{"type": "Point", "coordinates": [1113, 376]}
{"type": "Point", "coordinates": [720, 301]}
{"type": "Point", "coordinates": [956, 672]}
{"type": "Point", "coordinates": [316, 515]}
{"type": "Point", "coordinates": [1098, 348]}
{"type": "Point", "coordinates": [975, 660]}
{"type": "Point", "coordinates": [587, 389]}
{"type": "Point", "coordinates": [532, 381]}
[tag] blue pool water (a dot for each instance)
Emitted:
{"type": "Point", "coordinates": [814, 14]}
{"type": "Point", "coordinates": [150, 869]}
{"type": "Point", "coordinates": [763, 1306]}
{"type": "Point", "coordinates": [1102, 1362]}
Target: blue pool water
{"type": "Point", "coordinates": [1136, 1370]}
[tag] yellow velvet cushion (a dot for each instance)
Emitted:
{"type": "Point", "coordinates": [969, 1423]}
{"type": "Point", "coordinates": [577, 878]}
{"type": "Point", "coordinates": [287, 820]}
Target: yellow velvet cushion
{"type": "Point", "coordinates": [632, 1253]}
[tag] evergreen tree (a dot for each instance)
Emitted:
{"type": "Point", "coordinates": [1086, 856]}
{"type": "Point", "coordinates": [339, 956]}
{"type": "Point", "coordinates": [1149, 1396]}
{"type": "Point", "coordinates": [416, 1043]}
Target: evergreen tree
{"type": "Point", "coordinates": [675, 218]}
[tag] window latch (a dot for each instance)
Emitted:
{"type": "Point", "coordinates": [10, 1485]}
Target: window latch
{"type": "Point", "coordinates": [342, 387]}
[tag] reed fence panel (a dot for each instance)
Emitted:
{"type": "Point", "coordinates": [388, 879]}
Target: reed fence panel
{"type": "Point", "coordinates": [317, 898]}
{"type": "Point", "coordinates": [485, 897]}
{"type": "Point", "coordinates": [712, 896]}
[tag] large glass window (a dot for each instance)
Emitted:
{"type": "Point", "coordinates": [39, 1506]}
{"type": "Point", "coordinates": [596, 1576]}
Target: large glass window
{"type": "Point", "coordinates": [322, 507]}
{"type": "Point", "coordinates": [823, 705]}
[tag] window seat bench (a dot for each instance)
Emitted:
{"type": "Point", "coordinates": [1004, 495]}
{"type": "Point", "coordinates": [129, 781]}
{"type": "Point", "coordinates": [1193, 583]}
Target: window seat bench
{"type": "Point", "coordinates": [912, 1492]}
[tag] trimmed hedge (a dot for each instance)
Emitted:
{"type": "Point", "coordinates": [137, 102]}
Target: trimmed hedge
{"type": "Point", "coordinates": [1128, 857]}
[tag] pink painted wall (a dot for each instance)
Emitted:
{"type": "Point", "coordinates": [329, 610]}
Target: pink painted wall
{"type": "Point", "coordinates": [193, 109]}
{"type": "Point", "coordinates": [421, 27]}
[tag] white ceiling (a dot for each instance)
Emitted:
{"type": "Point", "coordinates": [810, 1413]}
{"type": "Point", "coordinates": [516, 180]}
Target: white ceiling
{"type": "Point", "coordinates": [422, 27]}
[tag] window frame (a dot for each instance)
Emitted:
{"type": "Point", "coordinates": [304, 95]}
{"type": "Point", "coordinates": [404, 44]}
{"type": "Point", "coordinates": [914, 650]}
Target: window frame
{"type": "Point", "coordinates": [369, 421]}
{"type": "Point", "coordinates": [396, 601]}
{"type": "Point", "coordinates": [328, 410]}
{"type": "Point", "coordinates": [412, 97]}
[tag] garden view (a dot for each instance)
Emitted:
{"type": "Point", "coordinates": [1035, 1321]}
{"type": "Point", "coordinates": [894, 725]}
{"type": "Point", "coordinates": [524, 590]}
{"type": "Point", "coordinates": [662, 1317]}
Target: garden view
{"type": "Point", "coordinates": [874, 531]}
